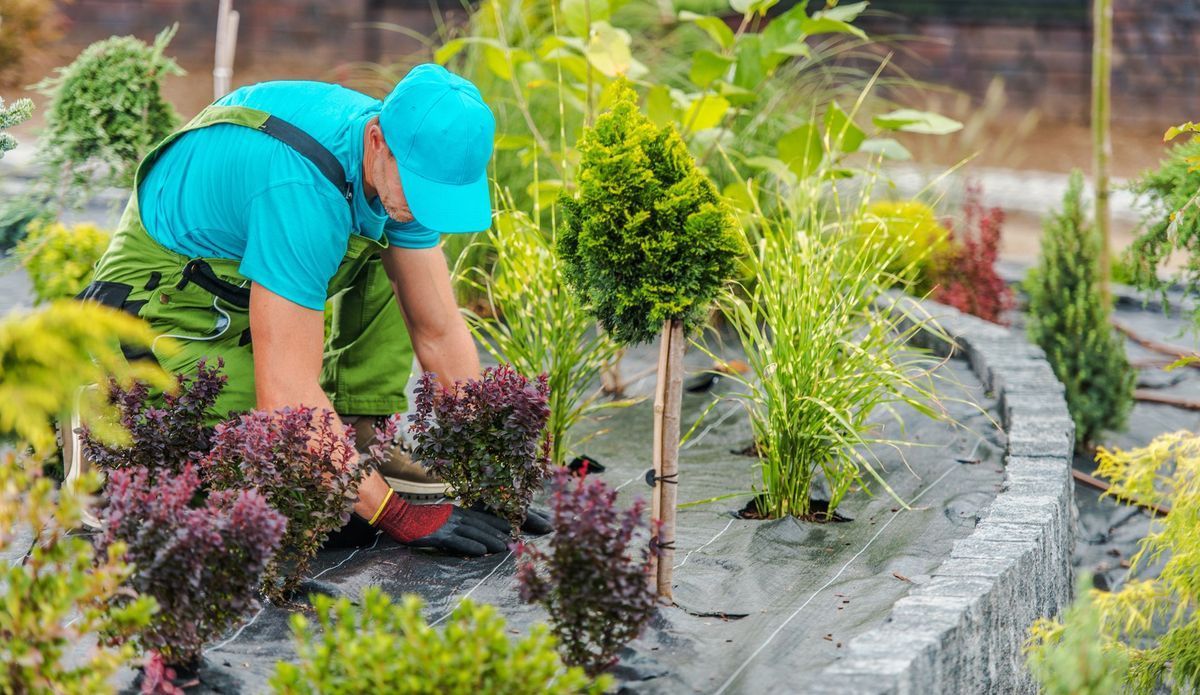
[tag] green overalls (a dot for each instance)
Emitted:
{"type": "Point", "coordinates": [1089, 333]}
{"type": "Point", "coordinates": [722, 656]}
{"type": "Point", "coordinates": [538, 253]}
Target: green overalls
{"type": "Point", "coordinates": [203, 303]}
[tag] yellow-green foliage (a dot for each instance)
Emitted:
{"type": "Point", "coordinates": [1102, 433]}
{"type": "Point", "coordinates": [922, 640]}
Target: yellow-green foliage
{"type": "Point", "coordinates": [47, 356]}
{"type": "Point", "coordinates": [1074, 662]}
{"type": "Point", "coordinates": [912, 227]}
{"type": "Point", "coordinates": [59, 259]}
{"type": "Point", "coordinates": [1150, 624]}
{"type": "Point", "coordinates": [59, 595]}
{"type": "Point", "coordinates": [381, 647]}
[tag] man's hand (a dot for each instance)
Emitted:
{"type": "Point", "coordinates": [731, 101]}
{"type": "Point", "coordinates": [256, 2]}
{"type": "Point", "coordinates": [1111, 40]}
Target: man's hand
{"type": "Point", "coordinates": [443, 527]}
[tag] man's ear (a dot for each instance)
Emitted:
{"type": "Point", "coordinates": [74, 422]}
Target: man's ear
{"type": "Point", "coordinates": [375, 135]}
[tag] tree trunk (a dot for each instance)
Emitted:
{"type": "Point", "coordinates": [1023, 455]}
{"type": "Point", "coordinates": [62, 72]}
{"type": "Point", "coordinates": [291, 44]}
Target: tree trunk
{"type": "Point", "coordinates": [668, 398]}
{"type": "Point", "coordinates": [1102, 21]}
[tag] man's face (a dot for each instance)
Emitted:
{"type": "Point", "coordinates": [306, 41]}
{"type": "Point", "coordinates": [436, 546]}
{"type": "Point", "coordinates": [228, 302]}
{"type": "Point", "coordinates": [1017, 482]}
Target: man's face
{"type": "Point", "coordinates": [391, 193]}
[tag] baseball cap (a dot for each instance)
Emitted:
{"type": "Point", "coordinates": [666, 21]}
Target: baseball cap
{"type": "Point", "coordinates": [441, 133]}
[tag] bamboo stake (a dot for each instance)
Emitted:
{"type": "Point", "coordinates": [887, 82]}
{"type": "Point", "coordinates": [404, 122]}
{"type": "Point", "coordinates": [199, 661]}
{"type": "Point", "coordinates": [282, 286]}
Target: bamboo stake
{"type": "Point", "coordinates": [660, 406]}
{"type": "Point", "coordinates": [1163, 348]}
{"type": "Point", "coordinates": [1101, 131]}
{"type": "Point", "coordinates": [668, 454]}
{"type": "Point", "coordinates": [227, 28]}
{"type": "Point", "coordinates": [1094, 482]}
{"type": "Point", "coordinates": [1161, 399]}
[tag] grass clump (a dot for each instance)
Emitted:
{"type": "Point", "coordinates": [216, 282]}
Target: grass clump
{"type": "Point", "coordinates": [378, 646]}
{"type": "Point", "coordinates": [1069, 319]}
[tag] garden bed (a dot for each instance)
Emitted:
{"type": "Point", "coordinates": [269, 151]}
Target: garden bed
{"type": "Point", "coordinates": [757, 601]}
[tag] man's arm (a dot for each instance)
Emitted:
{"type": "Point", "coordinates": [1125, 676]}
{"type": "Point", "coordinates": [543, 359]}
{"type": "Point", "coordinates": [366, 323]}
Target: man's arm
{"type": "Point", "coordinates": [421, 281]}
{"type": "Point", "coordinates": [288, 345]}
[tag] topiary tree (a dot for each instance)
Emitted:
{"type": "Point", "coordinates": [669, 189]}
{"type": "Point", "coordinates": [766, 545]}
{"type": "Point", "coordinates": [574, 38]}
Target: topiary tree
{"type": "Point", "coordinates": [1069, 319]}
{"type": "Point", "coordinates": [647, 244]}
{"type": "Point", "coordinates": [106, 111]}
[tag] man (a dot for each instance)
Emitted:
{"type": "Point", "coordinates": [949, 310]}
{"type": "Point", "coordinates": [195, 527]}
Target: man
{"type": "Point", "coordinates": [283, 195]}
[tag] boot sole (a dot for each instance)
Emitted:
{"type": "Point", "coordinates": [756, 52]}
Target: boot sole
{"type": "Point", "coordinates": [418, 491]}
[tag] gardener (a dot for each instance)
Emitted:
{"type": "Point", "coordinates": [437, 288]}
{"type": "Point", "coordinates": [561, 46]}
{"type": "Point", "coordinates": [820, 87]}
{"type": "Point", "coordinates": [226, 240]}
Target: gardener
{"type": "Point", "coordinates": [282, 196]}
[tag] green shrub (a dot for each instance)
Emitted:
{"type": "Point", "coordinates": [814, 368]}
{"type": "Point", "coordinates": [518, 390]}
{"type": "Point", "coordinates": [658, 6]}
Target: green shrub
{"type": "Point", "coordinates": [648, 238]}
{"type": "Point", "coordinates": [1149, 630]}
{"type": "Point", "coordinates": [1170, 221]}
{"type": "Point", "coordinates": [16, 112]}
{"type": "Point", "coordinates": [60, 260]}
{"type": "Point", "coordinates": [540, 327]}
{"type": "Point", "coordinates": [1074, 662]}
{"type": "Point", "coordinates": [1069, 319]}
{"type": "Point", "coordinates": [913, 228]}
{"type": "Point", "coordinates": [106, 112]}
{"type": "Point", "coordinates": [381, 647]}
{"type": "Point", "coordinates": [61, 593]}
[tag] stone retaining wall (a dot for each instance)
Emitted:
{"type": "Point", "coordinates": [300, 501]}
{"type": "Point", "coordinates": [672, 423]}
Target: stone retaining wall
{"type": "Point", "coordinates": [962, 631]}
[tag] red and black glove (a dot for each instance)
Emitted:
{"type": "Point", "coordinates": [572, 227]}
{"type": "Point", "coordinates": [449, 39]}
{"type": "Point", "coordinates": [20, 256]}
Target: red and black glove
{"type": "Point", "coordinates": [442, 526]}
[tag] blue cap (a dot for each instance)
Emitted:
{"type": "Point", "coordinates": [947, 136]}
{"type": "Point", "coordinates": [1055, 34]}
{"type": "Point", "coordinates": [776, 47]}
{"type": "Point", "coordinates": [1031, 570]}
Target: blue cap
{"type": "Point", "coordinates": [441, 133]}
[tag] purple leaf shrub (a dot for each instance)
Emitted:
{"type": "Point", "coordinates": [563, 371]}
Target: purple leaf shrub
{"type": "Point", "coordinates": [201, 559]}
{"type": "Point", "coordinates": [304, 464]}
{"type": "Point", "coordinates": [594, 580]}
{"type": "Point", "coordinates": [166, 432]}
{"type": "Point", "coordinates": [486, 438]}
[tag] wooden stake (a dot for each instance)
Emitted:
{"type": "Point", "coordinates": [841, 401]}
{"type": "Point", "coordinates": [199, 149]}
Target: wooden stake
{"type": "Point", "coordinates": [1162, 348]}
{"type": "Point", "coordinates": [660, 407]}
{"type": "Point", "coordinates": [1102, 41]}
{"type": "Point", "coordinates": [227, 28]}
{"type": "Point", "coordinates": [666, 463]}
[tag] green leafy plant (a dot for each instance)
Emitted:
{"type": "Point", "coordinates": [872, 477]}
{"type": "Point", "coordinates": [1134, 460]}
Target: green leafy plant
{"type": "Point", "coordinates": [826, 345]}
{"type": "Point", "coordinates": [539, 326]}
{"type": "Point", "coordinates": [106, 111]}
{"type": "Point", "coordinates": [16, 112]}
{"type": "Point", "coordinates": [378, 646]}
{"type": "Point", "coordinates": [201, 557]}
{"type": "Point", "coordinates": [648, 239]}
{"type": "Point", "coordinates": [486, 438]}
{"type": "Point", "coordinates": [1074, 662]}
{"type": "Point", "coordinates": [1149, 630]}
{"type": "Point", "coordinates": [304, 464]}
{"type": "Point", "coordinates": [60, 591]}
{"type": "Point", "coordinates": [911, 227]}
{"type": "Point", "coordinates": [594, 580]}
{"type": "Point", "coordinates": [48, 356]}
{"type": "Point", "coordinates": [60, 260]}
{"type": "Point", "coordinates": [1170, 220]}
{"type": "Point", "coordinates": [1069, 319]}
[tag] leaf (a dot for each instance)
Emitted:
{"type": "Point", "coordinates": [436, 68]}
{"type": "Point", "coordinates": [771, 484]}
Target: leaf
{"type": "Point", "coordinates": [923, 122]}
{"type": "Point", "coordinates": [742, 194]}
{"type": "Point", "coordinates": [801, 150]}
{"type": "Point", "coordinates": [448, 50]}
{"type": "Point", "coordinates": [576, 13]}
{"type": "Point", "coordinates": [844, 13]}
{"type": "Point", "coordinates": [715, 27]}
{"type": "Point", "coordinates": [705, 112]}
{"type": "Point", "coordinates": [827, 25]}
{"type": "Point", "coordinates": [505, 141]}
{"type": "Point", "coordinates": [759, 7]}
{"type": "Point", "coordinates": [608, 50]}
{"type": "Point", "coordinates": [844, 135]}
{"type": "Point", "coordinates": [708, 66]}
{"type": "Point", "coordinates": [776, 166]}
{"type": "Point", "coordinates": [548, 189]}
{"type": "Point", "coordinates": [659, 105]}
{"type": "Point", "coordinates": [1175, 131]}
{"type": "Point", "coordinates": [750, 71]}
{"type": "Point", "coordinates": [886, 147]}
{"type": "Point", "coordinates": [497, 62]}
{"type": "Point", "coordinates": [736, 95]}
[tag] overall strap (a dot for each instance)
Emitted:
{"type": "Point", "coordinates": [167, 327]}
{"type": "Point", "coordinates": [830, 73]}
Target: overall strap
{"type": "Point", "coordinates": [315, 152]}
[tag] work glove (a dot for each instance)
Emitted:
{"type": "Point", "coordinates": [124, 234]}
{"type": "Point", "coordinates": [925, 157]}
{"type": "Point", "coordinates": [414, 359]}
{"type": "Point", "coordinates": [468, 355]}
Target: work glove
{"type": "Point", "coordinates": [537, 521]}
{"type": "Point", "coordinates": [442, 527]}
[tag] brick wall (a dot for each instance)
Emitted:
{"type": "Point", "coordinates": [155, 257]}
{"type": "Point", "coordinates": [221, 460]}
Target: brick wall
{"type": "Point", "coordinates": [1045, 58]}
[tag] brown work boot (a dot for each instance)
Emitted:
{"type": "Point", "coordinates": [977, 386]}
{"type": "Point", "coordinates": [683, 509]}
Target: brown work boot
{"type": "Point", "coordinates": [406, 476]}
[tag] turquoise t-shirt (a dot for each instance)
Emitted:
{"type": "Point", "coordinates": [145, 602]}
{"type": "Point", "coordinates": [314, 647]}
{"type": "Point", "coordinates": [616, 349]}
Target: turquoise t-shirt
{"type": "Point", "coordinates": [228, 191]}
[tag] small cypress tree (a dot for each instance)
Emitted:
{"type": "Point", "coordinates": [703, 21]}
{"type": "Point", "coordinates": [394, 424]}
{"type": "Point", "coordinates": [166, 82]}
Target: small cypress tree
{"type": "Point", "coordinates": [648, 244]}
{"type": "Point", "coordinates": [1069, 319]}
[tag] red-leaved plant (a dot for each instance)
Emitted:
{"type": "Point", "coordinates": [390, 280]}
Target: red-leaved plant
{"type": "Point", "coordinates": [594, 580]}
{"type": "Point", "coordinates": [201, 560]}
{"type": "Point", "coordinates": [966, 277]}
{"type": "Point", "coordinates": [166, 433]}
{"type": "Point", "coordinates": [305, 465]}
{"type": "Point", "coordinates": [486, 438]}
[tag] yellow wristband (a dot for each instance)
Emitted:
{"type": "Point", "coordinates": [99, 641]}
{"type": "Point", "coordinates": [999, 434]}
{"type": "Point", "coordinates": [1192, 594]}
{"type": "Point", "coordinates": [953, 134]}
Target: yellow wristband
{"type": "Point", "coordinates": [383, 504]}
